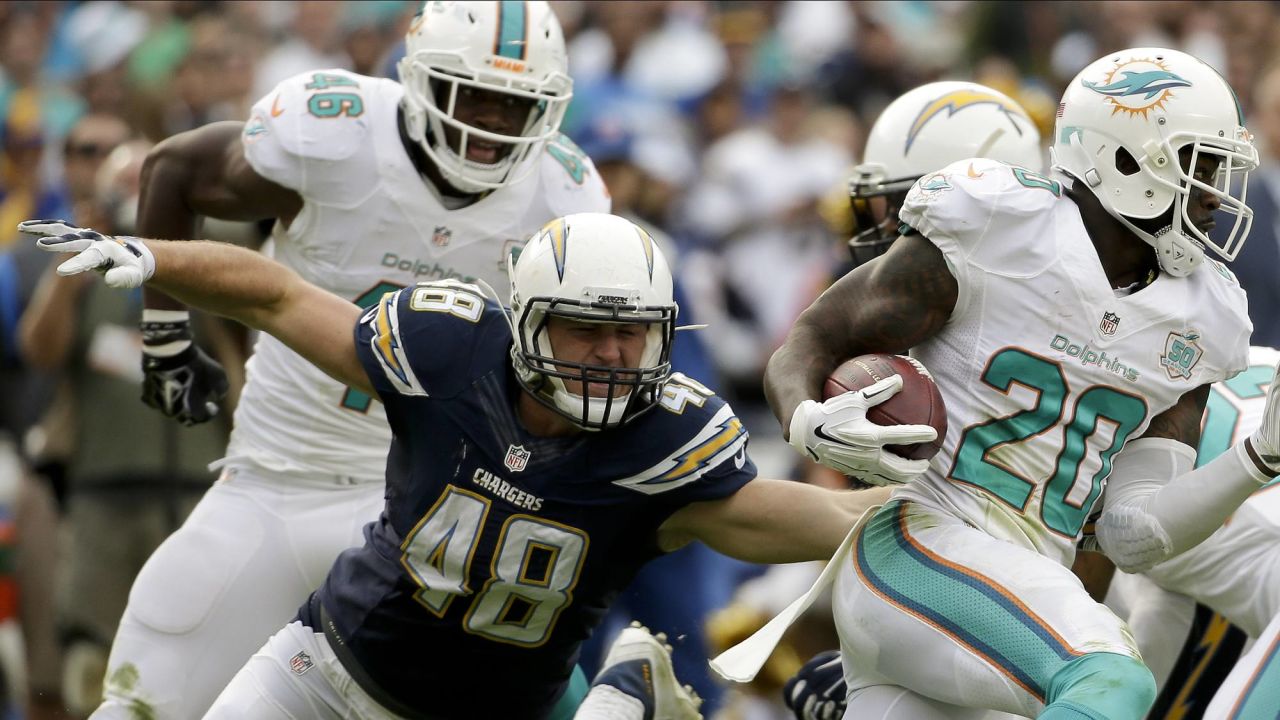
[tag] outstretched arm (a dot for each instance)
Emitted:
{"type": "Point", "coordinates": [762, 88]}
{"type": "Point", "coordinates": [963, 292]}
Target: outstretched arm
{"type": "Point", "coordinates": [1158, 504]}
{"type": "Point", "coordinates": [772, 521]}
{"type": "Point", "coordinates": [225, 280]}
{"type": "Point", "coordinates": [263, 294]}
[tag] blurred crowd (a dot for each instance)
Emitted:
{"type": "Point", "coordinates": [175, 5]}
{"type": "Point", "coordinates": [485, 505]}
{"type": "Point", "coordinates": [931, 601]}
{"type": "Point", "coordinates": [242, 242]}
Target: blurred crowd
{"type": "Point", "coordinates": [728, 127]}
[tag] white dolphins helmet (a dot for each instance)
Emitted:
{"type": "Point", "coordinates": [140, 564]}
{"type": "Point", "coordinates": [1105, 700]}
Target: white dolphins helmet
{"type": "Point", "coordinates": [1152, 103]}
{"type": "Point", "coordinates": [924, 130]}
{"type": "Point", "coordinates": [592, 267]}
{"type": "Point", "coordinates": [515, 48]}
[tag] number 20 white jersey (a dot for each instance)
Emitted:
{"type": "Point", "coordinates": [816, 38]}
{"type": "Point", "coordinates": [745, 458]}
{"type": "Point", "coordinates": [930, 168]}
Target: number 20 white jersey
{"type": "Point", "coordinates": [370, 224]}
{"type": "Point", "coordinates": [1045, 371]}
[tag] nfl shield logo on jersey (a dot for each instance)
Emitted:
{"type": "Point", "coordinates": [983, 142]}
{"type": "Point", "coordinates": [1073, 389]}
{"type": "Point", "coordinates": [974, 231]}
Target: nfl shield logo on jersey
{"type": "Point", "coordinates": [441, 236]}
{"type": "Point", "coordinates": [300, 663]}
{"type": "Point", "coordinates": [1181, 353]}
{"type": "Point", "coordinates": [1110, 321]}
{"type": "Point", "coordinates": [517, 458]}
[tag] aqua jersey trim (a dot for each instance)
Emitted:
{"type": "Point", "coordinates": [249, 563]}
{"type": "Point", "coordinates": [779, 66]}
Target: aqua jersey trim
{"type": "Point", "coordinates": [1262, 696]}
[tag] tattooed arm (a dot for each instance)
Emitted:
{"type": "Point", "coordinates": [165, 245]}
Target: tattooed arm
{"type": "Point", "coordinates": [887, 305]}
{"type": "Point", "coordinates": [1182, 421]}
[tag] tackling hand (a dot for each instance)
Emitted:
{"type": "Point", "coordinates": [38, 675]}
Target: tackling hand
{"type": "Point", "coordinates": [125, 261]}
{"type": "Point", "coordinates": [817, 691]}
{"type": "Point", "coordinates": [838, 434]}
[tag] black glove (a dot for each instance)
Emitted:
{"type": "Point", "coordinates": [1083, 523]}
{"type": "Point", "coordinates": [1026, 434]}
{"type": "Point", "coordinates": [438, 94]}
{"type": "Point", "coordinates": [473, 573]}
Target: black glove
{"type": "Point", "coordinates": [186, 385]}
{"type": "Point", "coordinates": [817, 691]}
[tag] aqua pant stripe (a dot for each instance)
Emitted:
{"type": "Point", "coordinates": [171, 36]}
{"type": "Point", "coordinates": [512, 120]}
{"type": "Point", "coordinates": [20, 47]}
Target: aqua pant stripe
{"type": "Point", "coordinates": [510, 41]}
{"type": "Point", "coordinates": [1261, 699]}
{"type": "Point", "coordinates": [967, 606]}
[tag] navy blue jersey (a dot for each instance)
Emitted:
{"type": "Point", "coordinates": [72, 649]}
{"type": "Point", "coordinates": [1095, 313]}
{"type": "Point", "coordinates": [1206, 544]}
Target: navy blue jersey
{"type": "Point", "coordinates": [499, 551]}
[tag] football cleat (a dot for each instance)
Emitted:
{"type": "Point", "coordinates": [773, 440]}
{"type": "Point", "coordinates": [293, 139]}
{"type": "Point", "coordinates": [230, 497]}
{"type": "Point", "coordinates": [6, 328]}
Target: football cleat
{"type": "Point", "coordinates": [639, 665]}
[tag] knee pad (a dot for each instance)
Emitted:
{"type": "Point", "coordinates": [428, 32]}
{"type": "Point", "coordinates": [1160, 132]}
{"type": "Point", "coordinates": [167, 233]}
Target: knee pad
{"type": "Point", "coordinates": [1104, 686]}
{"type": "Point", "coordinates": [190, 572]}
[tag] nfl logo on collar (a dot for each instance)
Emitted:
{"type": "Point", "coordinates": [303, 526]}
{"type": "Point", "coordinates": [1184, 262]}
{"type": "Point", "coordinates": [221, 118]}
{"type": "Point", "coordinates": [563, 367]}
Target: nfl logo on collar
{"type": "Point", "coordinates": [517, 458]}
{"type": "Point", "coordinates": [1110, 321]}
{"type": "Point", "coordinates": [441, 236]}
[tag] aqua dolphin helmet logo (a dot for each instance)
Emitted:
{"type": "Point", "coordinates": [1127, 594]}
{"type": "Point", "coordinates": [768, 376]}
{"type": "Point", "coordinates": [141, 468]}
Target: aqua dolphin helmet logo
{"type": "Point", "coordinates": [957, 100]}
{"type": "Point", "coordinates": [1137, 83]}
{"type": "Point", "coordinates": [1138, 86]}
{"type": "Point", "coordinates": [935, 183]}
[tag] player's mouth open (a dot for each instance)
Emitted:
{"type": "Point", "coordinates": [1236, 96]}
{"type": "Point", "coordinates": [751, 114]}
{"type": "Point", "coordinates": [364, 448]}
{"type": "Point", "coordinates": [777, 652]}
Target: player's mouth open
{"type": "Point", "coordinates": [484, 151]}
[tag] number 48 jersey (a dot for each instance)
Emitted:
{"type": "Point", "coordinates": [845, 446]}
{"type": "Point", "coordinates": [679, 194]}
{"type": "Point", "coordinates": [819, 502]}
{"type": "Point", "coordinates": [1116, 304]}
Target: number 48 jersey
{"type": "Point", "coordinates": [370, 223]}
{"type": "Point", "coordinates": [499, 551]}
{"type": "Point", "coordinates": [1046, 370]}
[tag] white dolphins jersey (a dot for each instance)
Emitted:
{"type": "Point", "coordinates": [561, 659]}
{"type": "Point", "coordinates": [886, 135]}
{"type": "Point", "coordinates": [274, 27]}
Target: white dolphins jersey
{"type": "Point", "coordinates": [370, 224]}
{"type": "Point", "coordinates": [1045, 372]}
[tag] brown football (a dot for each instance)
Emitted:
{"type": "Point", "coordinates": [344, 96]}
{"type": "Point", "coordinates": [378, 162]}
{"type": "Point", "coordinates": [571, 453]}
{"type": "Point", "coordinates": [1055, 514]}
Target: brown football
{"type": "Point", "coordinates": [917, 403]}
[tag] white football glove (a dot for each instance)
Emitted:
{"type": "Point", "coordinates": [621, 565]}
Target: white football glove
{"type": "Point", "coordinates": [838, 434]}
{"type": "Point", "coordinates": [1266, 439]}
{"type": "Point", "coordinates": [125, 261]}
{"type": "Point", "coordinates": [1133, 539]}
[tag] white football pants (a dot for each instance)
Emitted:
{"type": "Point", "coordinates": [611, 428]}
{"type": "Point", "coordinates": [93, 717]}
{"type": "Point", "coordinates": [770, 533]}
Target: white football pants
{"type": "Point", "coordinates": [237, 571]}
{"type": "Point", "coordinates": [295, 676]}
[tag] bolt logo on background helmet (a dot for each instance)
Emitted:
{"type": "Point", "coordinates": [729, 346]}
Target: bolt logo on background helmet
{"type": "Point", "coordinates": [592, 267]}
{"type": "Point", "coordinates": [1142, 107]}
{"type": "Point", "coordinates": [925, 130]}
{"type": "Point", "coordinates": [516, 48]}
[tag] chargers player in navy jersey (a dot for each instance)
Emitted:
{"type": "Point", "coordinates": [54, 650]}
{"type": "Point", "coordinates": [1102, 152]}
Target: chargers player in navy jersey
{"type": "Point", "coordinates": [373, 185]}
{"type": "Point", "coordinates": [539, 457]}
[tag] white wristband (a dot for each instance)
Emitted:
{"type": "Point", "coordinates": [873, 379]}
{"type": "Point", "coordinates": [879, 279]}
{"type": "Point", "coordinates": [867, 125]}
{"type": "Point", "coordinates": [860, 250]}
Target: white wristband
{"type": "Point", "coordinates": [154, 315]}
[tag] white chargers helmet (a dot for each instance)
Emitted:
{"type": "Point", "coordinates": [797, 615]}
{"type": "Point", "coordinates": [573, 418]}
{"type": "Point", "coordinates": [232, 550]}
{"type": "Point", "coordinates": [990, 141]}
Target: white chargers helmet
{"type": "Point", "coordinates": [592, 267]}
{"type": "Point", "coordinates": [515, 48]}
{"type": "Point", "coordinates": [924, 130]}
{"type": "Point", "coordinates": [1150, 104]}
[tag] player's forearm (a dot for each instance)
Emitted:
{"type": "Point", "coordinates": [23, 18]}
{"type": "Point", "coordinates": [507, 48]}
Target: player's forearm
{"type": "Point", "coordinates": [809, 523]}
{"type": "Point", "coordinates": [47, 327]}
{"type": "Point", "coordinates": [263, 294]}
{"type": "Point", "coordinates": [1158, 505]}
{"type": "Point", "coordinates": [1196, 503]}
{"type": "Point", "coordinates": [775, 521]}
{"type": "Point", "coordinates": [795, 372]}
{"type": "Point", "coordinates": [164, 210]}
{"type": "Point", "coordinates": [222, 279]}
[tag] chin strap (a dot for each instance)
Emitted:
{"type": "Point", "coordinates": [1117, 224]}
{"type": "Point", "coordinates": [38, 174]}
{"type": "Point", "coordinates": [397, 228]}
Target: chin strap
{"type": "Point", "coordinates": [1177, 253]}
